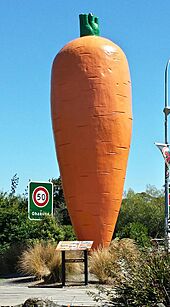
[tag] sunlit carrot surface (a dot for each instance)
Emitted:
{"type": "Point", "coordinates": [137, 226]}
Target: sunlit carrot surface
{"type": "Point", "coordinates": [92, 122]}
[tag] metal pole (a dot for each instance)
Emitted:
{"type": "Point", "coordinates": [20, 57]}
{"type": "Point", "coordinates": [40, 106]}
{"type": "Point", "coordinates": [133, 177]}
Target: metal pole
{"type": "Point", "coordinates": [167, 232]}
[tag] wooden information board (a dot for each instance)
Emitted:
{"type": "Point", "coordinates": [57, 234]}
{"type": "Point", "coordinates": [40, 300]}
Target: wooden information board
{"type": "Point", "coordinates": [84, 246]}
{"type": "Point", "coordinates": [74, 245]}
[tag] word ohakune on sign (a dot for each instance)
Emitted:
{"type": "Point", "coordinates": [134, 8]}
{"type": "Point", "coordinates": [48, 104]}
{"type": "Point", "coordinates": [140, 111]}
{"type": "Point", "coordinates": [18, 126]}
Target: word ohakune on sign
{"type": "Point", "coordinates": [40, 200]}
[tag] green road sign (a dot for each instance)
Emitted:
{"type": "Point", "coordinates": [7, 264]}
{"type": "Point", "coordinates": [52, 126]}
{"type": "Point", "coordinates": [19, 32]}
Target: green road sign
{"type": "Point", "coordinates": [40, 200]}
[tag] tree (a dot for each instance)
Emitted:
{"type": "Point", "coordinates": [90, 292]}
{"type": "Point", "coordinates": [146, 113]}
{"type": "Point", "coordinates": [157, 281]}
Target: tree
{"type": "Point", "coordinates": [60, 208]}
{"type": "Point", "coordinates": [14, 184]}
{"type": "Point", "coordinates": [147, 209]}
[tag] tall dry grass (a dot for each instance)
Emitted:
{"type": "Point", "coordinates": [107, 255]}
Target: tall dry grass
{"type": "Point", "coordinates": [111, 265]}
{"type": "Point", "coordinates": [44, 262]}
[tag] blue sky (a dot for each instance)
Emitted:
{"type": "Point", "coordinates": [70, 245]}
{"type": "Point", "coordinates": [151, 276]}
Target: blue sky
{"type": "Point", "coordinates": [31, 34]}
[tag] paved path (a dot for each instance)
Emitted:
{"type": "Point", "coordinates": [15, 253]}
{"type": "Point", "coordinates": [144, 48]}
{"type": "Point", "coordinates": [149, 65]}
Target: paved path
{"type": "Point", "coordinates": [14, 293]}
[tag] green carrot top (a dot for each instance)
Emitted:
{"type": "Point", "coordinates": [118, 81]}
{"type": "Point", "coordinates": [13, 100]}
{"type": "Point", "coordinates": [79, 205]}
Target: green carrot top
{"type": "Point", "coordinates": [89, 25]}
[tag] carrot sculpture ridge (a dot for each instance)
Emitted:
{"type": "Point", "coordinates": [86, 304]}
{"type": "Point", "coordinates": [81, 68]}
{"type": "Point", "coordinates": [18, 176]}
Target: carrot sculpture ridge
{"type": "Point", "coordinates": [92, 123]}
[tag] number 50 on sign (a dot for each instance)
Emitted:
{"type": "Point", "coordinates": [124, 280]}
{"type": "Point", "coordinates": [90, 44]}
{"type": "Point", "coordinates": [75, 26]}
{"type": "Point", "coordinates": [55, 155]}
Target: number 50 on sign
{"type": "Point", "coordinates": [40, 200]}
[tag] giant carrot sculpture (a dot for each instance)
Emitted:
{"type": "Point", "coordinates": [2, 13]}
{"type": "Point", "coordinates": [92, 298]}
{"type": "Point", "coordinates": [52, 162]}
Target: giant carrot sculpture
{"type": "Point", "coordinates": [92, 119]}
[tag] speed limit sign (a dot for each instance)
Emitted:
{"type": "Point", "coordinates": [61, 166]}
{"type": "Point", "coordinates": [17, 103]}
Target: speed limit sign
{"type": "Point", "coordinates": [40, 200]}
{"type": "Point", "coordinates": [40, 196]}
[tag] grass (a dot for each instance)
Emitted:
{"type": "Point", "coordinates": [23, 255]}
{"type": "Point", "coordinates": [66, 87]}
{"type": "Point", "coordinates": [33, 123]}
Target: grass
{"type": "Point", "coordinates": [110, 265]}
{"type": "Point", "coordinates": [43, 261]}
{"type": "Point", "coordinates": [139, 277]}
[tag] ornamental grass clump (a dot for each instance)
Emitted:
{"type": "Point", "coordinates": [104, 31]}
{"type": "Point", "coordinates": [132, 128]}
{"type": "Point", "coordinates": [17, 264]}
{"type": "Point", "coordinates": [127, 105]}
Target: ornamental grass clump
{"type": "Point", "coordinates": [127, 256]}
{"type": "Point", "coordinates": [111, 265]}
{"type": "Point", "coordinates": [44, 262]}
{"type": "Point", "coordinates": [101, 265]}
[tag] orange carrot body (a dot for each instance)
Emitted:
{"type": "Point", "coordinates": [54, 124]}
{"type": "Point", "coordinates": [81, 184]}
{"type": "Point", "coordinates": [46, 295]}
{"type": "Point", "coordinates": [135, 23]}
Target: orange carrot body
{"type": "Point", "coordinates": [92, 121]}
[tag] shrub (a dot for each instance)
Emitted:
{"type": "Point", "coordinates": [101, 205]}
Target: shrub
{"type": "Point", "coordinates": [136, 231]}
{"type": "Point", "coordinates": [147, 285]}
{"type": "Point", "coordinates": [9, 258]}
{"type": "Point", "coordinates": [69, 234]}
{"type": "Point", "coordinates": [17, 230]}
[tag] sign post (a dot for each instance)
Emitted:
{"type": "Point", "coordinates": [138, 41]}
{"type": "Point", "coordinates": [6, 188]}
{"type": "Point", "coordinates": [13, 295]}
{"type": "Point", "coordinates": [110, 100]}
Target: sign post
{"type": "Point", "coordinates": [40, 200]}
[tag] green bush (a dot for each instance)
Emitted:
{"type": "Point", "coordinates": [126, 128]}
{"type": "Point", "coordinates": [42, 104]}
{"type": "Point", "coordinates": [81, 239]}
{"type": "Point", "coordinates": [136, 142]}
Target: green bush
{"type": "Point", "coordinates": [18, 232]}
{"type": "Point", "coordinates": [149, 283]}
{"type": "Point", "coordinates": [136, 231]}
{"type": "Point", "coordinates": [141, 216]}
{"type": "Point", "coordinates": [69, 234]}
{"type": "Point", "coordinates": [9, 257]}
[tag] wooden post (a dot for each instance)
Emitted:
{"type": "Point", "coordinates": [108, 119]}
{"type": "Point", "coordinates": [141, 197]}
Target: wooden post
{"type": "Point", "coordinates": [63, 269]}
{"type": "Point", "coordinates": [86, 266]}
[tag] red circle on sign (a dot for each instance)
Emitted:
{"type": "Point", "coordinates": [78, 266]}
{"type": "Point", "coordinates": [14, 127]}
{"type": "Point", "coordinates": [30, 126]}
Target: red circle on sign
{"type": "Point", "coordinates": [40, 196]}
